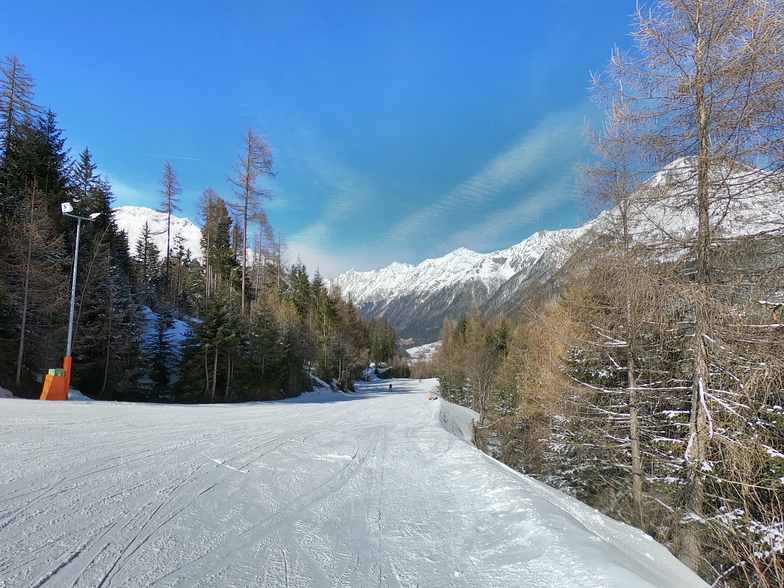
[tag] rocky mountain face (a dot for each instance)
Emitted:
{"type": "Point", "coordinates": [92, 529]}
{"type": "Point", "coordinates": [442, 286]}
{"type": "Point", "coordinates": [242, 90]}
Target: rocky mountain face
{"type": "Point", "coordinates": [417, 299]}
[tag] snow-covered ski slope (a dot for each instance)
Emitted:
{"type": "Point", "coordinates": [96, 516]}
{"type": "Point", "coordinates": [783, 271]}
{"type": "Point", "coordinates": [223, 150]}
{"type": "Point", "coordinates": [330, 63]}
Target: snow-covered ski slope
{"type": "Point", "coordinates": [372, 489]}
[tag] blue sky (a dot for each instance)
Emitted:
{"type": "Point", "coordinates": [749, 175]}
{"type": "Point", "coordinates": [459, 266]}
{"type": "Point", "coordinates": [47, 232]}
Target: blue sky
{"type": "Point", "coordinates": [401, 130]}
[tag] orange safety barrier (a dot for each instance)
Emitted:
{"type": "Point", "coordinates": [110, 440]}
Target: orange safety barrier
{"type": "Point", "coordinates": [56, 385]}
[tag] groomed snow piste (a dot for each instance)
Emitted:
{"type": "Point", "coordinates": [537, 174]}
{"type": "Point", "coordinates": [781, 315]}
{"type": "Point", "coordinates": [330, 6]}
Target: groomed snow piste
{"type": "Point", "coordinates": [371, 489]}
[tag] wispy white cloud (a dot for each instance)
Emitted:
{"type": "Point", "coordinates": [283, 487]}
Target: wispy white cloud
{"type": "Point", "coordinates": [522, 161]}
{"type": "Point", "coordinates": [480, 236]}
{"type": "Point", "coordinates": [331, 265]}
{"type": "Point", "coordinates": [168, 156]}
{"type": "Point", "coordinates": [127, 195]}
{"type": "Point", "coordinates": [347, 192]}
{"type": "Point", "coordinates": [344, 203]}
{"type": "Point", "coordinates": [317, 233]}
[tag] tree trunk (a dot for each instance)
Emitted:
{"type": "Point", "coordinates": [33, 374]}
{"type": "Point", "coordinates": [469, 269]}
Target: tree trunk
{"type": "Point", "coordinates": [28, 269]}
{"type": "Point", "coordinates": [634, 433]}
{"type": "Point", "coordinates": [696, 451]}
{"type": "Point", "coordinates": [206, 375]}
{"type": "Point", "coordinates": [214, 387]}
{"type": "Point", "coordinates": [631, 368]}
{"type": "Point", "coordinates": [229, 374]}
{"type": "Point", "coordinates": [108, 343]}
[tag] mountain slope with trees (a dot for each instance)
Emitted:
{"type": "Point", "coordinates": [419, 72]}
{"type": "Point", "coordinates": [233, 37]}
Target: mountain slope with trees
{"type": "Point", "coordinates": [259, 328]}
{"type": "Point", "coordinates": [646, 375]}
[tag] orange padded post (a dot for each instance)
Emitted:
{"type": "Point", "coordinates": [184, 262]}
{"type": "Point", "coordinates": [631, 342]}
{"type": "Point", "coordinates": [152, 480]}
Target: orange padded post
{"type": "Point", "coordinates": [56, 386]}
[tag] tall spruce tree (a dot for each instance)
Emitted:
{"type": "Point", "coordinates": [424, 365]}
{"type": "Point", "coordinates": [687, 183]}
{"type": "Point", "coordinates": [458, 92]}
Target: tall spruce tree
{"type": "Point", "coordinates": [147, 266]}
{"type": "Point", "coordinates": [107, 327]}
{"type": "Point", "coordinates": [299, 289]}
{"type": "Point", "coordinates": [219, 258]}
{"type": "Point", "coordinates": [36, 156]}
{"type": "Point", "coordinates": [34, 182]}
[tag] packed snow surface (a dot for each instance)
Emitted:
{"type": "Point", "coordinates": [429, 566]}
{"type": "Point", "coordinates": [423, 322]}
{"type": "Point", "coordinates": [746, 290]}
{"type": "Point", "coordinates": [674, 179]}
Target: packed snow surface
{"type": "Point", "coordinates": [370, 489]}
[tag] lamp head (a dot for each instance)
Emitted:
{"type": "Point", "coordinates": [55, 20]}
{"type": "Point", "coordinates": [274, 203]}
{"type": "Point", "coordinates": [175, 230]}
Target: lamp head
{"type": "Point", "coordinates": [95, 215]}
{"type": "Point", "coordinates": [66, 207]}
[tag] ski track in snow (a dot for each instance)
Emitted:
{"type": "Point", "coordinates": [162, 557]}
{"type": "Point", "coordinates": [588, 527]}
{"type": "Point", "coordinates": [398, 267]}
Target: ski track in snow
{"type": "Point", "coordinates": [371, 489]}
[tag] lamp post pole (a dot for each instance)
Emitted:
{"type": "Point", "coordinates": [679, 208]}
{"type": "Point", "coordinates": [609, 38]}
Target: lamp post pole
{"type": "Point", "coordinates": [57, 387]}
{"type": "Point", "coordinates": [69, 345]}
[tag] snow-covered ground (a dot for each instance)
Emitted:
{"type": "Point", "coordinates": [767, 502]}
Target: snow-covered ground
{"type": "Point", "coordinates": [370, 489]}
{"type": "Point", "coordinates": [423, 353]}
{"type": "Point", "coordinates": [176, 334]}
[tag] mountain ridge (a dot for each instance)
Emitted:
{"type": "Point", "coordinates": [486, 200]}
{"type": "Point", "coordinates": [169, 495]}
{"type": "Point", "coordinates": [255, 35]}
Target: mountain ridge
{"type": "Point", "coordinates": [417, 299]}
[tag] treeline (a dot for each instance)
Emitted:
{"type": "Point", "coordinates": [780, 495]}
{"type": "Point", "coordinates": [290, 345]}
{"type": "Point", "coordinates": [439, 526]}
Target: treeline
{"type": "Point", "coordinates": [647, 377]}
{"type": "Point", "coordinates": [258, 329]}
{"type": "Point", "coordinates": [36, 241]}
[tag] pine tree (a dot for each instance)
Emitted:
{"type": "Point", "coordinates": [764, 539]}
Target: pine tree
{"type": "Point", "coordinates": [217, 335]}
{"type": "Point", "coordinates": [351, 346]}
{"type": "Point", "coordinates": [162, 354]}
{"type": "Point", "coordinates": [107, 329]}
{"type": "Point", "coordinates": [266, 361]}
{"type": "Point", "coordinates": [147, 269]}
{"type": "Point", "coordinates": [36, 156]}
{"type": "Point", "coordinates": [299, 290]}
{"type": "Point", "coordinates": [33, 283]}
{"type": "Point", "coordinates": [294, 348]}
{"type": "Point", "coordinates": [382, 341]}
{"type": "Point", "coordinates": [34, 182]}
{"type": "Point", "coordinates": [324, 323]}
{"type": "Point", "coordinates": [219, 258]}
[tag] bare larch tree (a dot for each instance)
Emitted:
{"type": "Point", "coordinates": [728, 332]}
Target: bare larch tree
{"type": "Point", "coordinates": [253, 164]}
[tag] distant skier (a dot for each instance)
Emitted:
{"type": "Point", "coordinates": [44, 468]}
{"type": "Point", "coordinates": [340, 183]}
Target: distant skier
{"type": "Point", "coordinates": [390, 386]}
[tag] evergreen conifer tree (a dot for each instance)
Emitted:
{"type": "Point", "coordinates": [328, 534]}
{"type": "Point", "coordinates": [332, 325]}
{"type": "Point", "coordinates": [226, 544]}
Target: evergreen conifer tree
{"type": "Point", "coordinates": [147, 269]}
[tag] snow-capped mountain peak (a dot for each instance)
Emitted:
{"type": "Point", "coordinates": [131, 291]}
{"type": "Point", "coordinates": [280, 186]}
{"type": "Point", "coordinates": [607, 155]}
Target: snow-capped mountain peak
{"type": "Point", "coordinates": [131, 220]}
{"type": "Point", "coordinates": [417, 299]}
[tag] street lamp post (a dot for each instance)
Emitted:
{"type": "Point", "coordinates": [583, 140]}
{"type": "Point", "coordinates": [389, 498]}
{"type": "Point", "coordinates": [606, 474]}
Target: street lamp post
{"type": "Point", "coordinates": [56, 385]}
